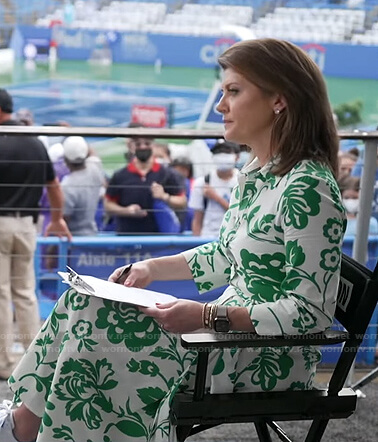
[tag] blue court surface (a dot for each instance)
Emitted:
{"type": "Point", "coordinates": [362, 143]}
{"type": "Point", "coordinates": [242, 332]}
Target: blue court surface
{"type": "Point", "coordinates": [97, 103]}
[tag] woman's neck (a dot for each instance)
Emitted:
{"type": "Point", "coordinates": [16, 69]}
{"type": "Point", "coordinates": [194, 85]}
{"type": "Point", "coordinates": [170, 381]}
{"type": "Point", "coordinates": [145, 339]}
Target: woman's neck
{"type": "Point", "coordinates": [261, 148]}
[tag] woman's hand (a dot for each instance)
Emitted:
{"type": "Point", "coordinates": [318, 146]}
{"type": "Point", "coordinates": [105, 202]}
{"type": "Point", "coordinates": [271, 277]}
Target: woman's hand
{"type": "Point", "coordinates": [181, 316]}
{"type": "Point", "coordinates": [165, 268]}
{"type": "Point", "coordinates": [139, 275]}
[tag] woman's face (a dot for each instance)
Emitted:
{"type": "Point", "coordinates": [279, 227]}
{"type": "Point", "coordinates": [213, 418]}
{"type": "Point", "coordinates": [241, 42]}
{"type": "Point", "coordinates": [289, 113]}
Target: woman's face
{"type": "Point", "coordinates": [248, 112]}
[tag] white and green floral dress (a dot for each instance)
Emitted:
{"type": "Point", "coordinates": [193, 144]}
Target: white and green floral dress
{"type": "Point", "coordinates": [103, 371]}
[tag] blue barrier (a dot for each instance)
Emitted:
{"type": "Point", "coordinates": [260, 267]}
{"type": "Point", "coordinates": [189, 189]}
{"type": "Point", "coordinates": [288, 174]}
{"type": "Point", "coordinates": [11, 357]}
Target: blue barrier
{"type": "Point", "coordinates": [336, 60]}
{"type": "Point", "coordinates": [100, 255]}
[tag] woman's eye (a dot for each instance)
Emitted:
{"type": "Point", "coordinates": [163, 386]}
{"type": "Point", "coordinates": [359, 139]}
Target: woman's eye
{"type": "Point", "coordinates": [233, 91]}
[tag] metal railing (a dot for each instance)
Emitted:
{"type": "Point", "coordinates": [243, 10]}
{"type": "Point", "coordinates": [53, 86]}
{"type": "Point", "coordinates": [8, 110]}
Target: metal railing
{"type": "Point", "coordinates": [370, 139]}
{"type": "Point", "coordinates": [360, 243]}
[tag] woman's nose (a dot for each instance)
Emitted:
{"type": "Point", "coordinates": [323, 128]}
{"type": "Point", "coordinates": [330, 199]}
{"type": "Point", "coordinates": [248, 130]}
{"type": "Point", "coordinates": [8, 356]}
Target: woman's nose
{"type": "Point", "coordinates": [221, 105]}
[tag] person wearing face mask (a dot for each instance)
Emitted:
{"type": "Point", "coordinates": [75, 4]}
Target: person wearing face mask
{"type": "Point", "coordinates": [133, 189]}
{"type": "Point", "coordinates": [350, 192]}
{"type": "Point", "coordinates": [210, 194]}
{"type": "Point", "coordinates": [162, 153]}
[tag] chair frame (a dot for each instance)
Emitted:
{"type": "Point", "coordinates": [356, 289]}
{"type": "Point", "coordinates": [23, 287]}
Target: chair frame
{"type": "Point", "coordinates": [196, 411]}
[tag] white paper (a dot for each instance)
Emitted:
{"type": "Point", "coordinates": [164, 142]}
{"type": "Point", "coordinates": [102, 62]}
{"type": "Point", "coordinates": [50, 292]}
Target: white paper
{"type": "Point", "coordinates": [118, 292]}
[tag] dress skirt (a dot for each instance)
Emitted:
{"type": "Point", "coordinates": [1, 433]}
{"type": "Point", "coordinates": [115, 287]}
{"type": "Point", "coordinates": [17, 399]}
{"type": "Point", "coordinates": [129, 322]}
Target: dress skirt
{"type": "Point", "coordinates": [103, 371]}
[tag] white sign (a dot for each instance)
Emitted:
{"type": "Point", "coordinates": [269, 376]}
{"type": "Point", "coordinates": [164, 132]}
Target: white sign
{"type": "Point", "coordinates": [344, 294]}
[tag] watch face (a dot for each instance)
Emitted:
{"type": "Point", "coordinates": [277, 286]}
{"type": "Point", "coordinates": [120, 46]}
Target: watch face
{"type": "Point", "coordinates": [221, 325]}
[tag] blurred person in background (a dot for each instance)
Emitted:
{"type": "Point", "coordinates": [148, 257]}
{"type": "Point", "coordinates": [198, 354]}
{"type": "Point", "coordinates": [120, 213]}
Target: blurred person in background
{"type": "Point", "coordinates": [245, 156]}
{"type": "Point", "coordinates": [350, 192]}
{"type": "Point", "coordinates": [50, 140]}
{"type": "Point", "coordinates": [24, 169]}
{"type": "Point", "coordinates": [55, 153]}
{"type": "Point", "coordinates": [82, 187]}
{"type": "Point", "coordinates": [210, 195]}
{"type": "Point", "coordinates": [24, 116]}
{"type": "Point", "coordinates": [347, 162]}
{"type": "Point", "coordinates": [162, 153]}
{"type": "Point", "coordinates": [357, 172]}
{"type": "Point", "coordinates": [131, 191]}
{"type": "Point", "coordinates": [354, 151]}
{"type": "Point", "coordinates": [184, 167]}
{"type": "Point", "coordinates": [49, 252]}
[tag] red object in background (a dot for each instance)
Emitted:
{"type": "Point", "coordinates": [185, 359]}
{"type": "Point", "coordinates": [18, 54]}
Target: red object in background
{"type": "Point", "coordinates": [55, 22]}
{"type": "Point", "coordinates": [149, 116]}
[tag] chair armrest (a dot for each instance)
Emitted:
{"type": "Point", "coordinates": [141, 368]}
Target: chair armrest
{"type": "Point", "coordinates": [211, 341]}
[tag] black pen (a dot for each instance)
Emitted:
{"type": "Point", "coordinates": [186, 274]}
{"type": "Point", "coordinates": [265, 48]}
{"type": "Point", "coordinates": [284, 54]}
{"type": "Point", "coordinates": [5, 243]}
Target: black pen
{"type": "Point", "coordinates": [124, 272]}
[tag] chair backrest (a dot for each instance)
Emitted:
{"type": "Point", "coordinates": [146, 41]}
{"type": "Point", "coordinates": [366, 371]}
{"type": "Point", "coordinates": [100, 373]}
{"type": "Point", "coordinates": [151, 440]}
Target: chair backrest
{"type": "Point", "coordinates": [357, 295]}
{"type": "Point", "coordinates": [356, 300]}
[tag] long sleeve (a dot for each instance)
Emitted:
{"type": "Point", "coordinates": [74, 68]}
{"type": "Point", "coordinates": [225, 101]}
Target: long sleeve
{"type": "Point", "coordinates": [285, 235]}
{"type": "Point", "coordinates": [312, 224]}
{"type": "Point", "coordinates": [209, 266]}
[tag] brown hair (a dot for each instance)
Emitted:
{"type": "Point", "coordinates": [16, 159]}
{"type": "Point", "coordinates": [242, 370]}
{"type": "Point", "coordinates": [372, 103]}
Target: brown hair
{"type": "Point", "coordinates": [305, 129]}
{"type": "Point", "coordinates": [349, 183]}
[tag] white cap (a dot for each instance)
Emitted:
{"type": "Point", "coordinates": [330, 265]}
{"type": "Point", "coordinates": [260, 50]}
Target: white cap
{"type": "Point", "coordinates": [56, 152]}
{"type": "Point", "coordinates": [75, 149]}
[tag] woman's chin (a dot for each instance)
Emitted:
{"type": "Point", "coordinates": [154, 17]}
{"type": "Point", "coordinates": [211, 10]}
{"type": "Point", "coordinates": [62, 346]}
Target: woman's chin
{"type": "Point", "coordinates": [229, 136]}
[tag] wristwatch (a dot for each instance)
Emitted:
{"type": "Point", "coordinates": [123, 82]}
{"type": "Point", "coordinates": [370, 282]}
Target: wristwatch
{"type": "Point", "coordinates": [221, 321]}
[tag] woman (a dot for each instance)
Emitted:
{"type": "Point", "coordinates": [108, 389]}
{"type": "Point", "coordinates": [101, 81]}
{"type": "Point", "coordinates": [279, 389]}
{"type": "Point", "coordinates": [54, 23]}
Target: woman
{"type": "Point", "coordinates": [100, 370]}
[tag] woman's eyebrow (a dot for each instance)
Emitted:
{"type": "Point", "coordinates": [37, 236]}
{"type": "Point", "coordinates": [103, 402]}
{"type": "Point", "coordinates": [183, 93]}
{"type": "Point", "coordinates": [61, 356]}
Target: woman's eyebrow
{"type": "Point", "coordinates": [229, 84]}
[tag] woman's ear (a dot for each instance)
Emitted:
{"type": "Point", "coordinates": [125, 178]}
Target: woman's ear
{"type": "Point", "coordinates": [279, 103]}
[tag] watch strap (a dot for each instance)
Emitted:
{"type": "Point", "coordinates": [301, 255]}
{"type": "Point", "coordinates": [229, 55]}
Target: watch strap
{"type": "Point", "coordinates": [222, 311]}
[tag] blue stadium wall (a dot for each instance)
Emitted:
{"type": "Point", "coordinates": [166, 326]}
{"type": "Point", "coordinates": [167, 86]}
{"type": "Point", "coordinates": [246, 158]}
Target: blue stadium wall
{"type": "Point", "coordinates": [336, 60]}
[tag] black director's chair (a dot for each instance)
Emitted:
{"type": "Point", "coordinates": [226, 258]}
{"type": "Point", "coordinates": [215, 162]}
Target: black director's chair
{"type": "Point", "coordinates": [193, 412]}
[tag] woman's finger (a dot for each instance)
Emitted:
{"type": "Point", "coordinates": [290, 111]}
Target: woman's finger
{"type": "Point", "coordinates": [165, 305]}
{"type": "Point", "coordinates": [151, 311]}
{"type": "Point", "coordinates": [115, 275]}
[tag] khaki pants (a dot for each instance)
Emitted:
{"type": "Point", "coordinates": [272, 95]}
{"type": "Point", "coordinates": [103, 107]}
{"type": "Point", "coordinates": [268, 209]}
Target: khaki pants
{"type": "Point", "coordinates": [17, 286]}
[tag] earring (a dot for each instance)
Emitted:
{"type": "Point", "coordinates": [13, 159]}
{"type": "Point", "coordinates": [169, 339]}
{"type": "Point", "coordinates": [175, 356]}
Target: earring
{"type": "Point", "coordinates": [277, 111]}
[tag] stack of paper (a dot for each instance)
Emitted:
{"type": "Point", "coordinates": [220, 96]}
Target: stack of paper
{"type": "Point", "coordinates": [90, 285]}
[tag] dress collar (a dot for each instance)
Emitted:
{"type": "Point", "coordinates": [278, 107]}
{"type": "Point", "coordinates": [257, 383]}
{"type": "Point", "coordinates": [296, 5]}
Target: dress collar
{"type": "Point", "coordinates": [253, 171]}
{"type": "Point", "coordinates": [255, 166]}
